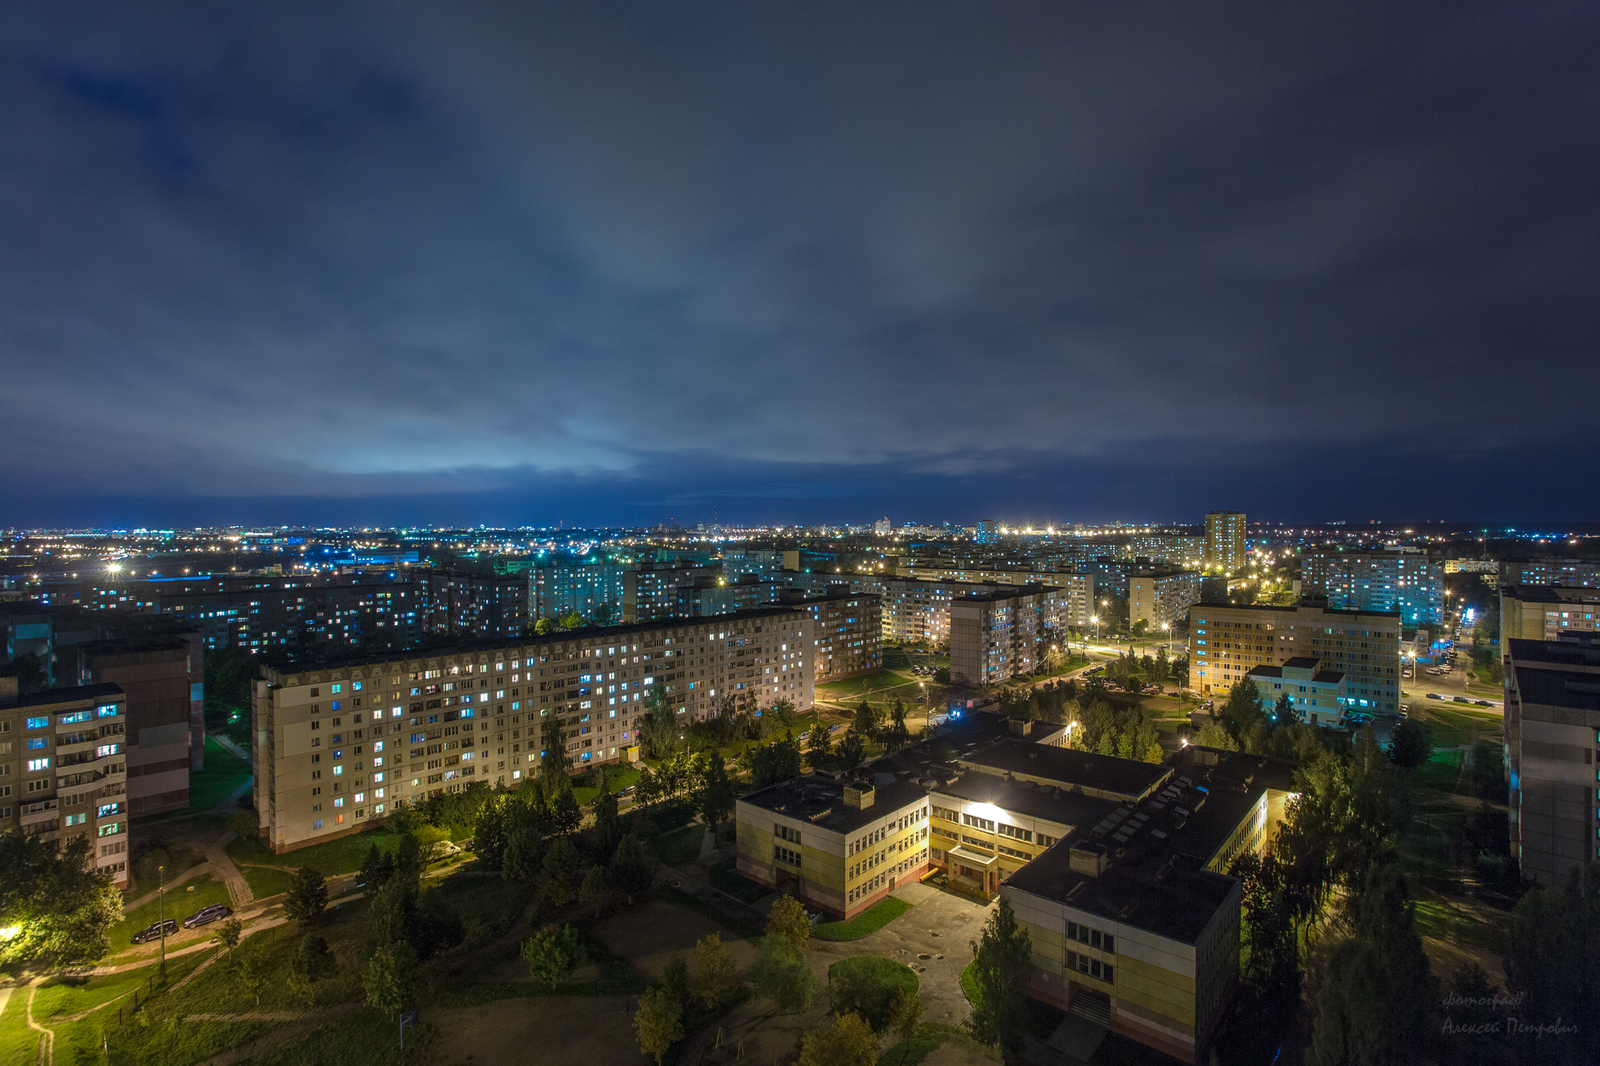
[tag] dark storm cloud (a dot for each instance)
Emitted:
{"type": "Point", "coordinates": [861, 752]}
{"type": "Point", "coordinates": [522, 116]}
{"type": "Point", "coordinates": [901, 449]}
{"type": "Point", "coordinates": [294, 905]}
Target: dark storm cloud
{"type": "Point", "coordinates": [652, 257]}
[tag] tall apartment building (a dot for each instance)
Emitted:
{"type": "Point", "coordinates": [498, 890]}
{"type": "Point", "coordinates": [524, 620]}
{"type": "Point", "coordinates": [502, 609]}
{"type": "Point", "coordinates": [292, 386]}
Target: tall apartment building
{"type": "Point", "coordinates": [63, 770]}
{"type": "Point", "coordinates": [1407, 582]}
{"type": "Point", "coordinates": [339, 743]}
{"type": "Point", "coordinates": [650, 590]}
{"type": "Point", "coordinates": [1569, 572]}
{"type": "Point", "coordinates": [710, 595]}
{"type": "Point", "coordinates": [1227, 642]}
{"type": "Point", "coordinates": [163, 677]}
{"type": "Point", "coordinates": [1162, 598]}
{"type": "Point", "coordinates": [997, 635]}
{"type": "Point", "coordinates": [1225, 537]}
{"type": "Point", "coordinates": [846, 633]}
{"type": "Point", "coordinates": [562, 586]}
{"type": "Point", "coordinates": [1552, 722]}
{"type": "Point", "coordinates": [1176, 549]}
{"type": "Point", "coordinates": [1077, 589]}
{"type": "Point", "coordinates": [768, 563]}
{"type": "Point", "coordinates": [460, 604]}
{"type": "Point", "coordinates": [1544, 612]}
{"type": "Point", "coordinates": [265, 612]}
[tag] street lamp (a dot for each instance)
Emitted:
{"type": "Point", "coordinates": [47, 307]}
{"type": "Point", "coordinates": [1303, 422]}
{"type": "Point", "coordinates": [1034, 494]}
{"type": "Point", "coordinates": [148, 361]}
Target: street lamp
{"type": "Point", "coordinates": [1168, 627]}
{"type": "Point", "coordinates": [1096, 620]}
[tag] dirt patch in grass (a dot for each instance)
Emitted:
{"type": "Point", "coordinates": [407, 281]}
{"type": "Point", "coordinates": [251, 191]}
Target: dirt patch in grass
{"type": "Point", "coordinates": [648, 935]}
{"type": "Point", "coordinates": [521, 1030]}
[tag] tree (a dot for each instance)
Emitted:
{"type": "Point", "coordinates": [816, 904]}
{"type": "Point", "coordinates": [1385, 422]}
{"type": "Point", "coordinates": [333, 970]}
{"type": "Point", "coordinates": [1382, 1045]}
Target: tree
{"type": "Point", "coordinates": [1213, 735]}
{"type": "Point", "coordinates": [560, 874]}
{"type": "Point", "coordinates": [1003, 957]}
{"type": "Point", "coordinates": [308, 895]}
{"type": "Point", "coordinates": [229, 933]}
{"type": "Point", "coordinates": [867, 719]}
{"type": "Point", "coordinates": [312, 960]}
{"type": "Point", "coordinates": [489, 834]}
{"type": "Point", "coordinates": [252, 976]}
{"type": "Point", "coordinates": [552, 954]}
{"type": "Point", "coordinates": [30, 671]}
{"type": "Point", "coordinates": [1377, 990]}
{"type": "Point", "coordinates": [905, 1013]}
{"type": "Point", "coordinates": [60, 907]}
{"type": "Point", "coordinates": [896, 735]}
{"type": "Point", "coordinates": [1409, 744]}
{"type": "Point", "coordinates": [658, 730]}
{"type": "Point", "coordinates": [389, 978]}
{"type": "Point", "coordinates": [596, 889]}
{"type": "Point", "coordinates": [714, 974]}
{"type": "Point", "coordinates": [774, 762]}
{"type": "Point", "coordinates": [632, 870]}
{"type": "Point", "coordinates": [607, 826]}
{"type": "Point", "coordinates": [820, 741]}
{"type": "Point", "coordinates": [716, 798]}
{"type": "Point", "coordinates": [852, 750]}
{"type": "Point", "coordinates": [845, 1040]}
{"type": "Point", "coordinates": [787, 920]}
{"type": "Point", "coordinates": [1284, 711]}
{"type": "Point", "coordinates": [1242, 709]}
{"type": "Point", "coordinates": [1553, 963]}
{"type": "Point", "coordinates": [553, 758]}
{"type": "Point", "coordinates": [376, 869]}
{"type": "Point", "coordinates": [565, 814]}
{"type": "Point", "coordinates": [782, 975]}
{"type": "Point", "coordinates": [675, 977]}
{"type": "Point", "coordinates": [659, 1022]}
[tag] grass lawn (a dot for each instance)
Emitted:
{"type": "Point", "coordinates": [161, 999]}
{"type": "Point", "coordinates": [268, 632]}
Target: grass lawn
{"type": "Point", "coordinates": [181, 902]}
{"type": "Point", "coordinates": [18, 1043]}
{"type": "Point", "coordinates": [870, 920]}
{"type": "Point", "coordinates": [363, 1038]}
{"type": "Point", "coordinates": [874, 684]}
{"type": "Point", "coordinates": [1441, 771]}
{"type": "Point", "coordinates": [63, 996]}
{"type": "Point", "coordinates": [266, 882]}
{"type": "Point", "coordinates": [224, 773]}
{"type": "Point", "coordinates": [340, 856]}
{"type": "Point", "coordinates": [969, 983]}
{"type": "Point", "coordinates": [681, 847]}
{"type": "Point", "coordinates": [725, 877]}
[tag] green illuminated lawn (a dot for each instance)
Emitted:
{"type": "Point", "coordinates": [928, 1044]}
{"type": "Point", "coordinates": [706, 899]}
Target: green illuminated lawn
{"type": "Point", "coordinates": [870, 920]}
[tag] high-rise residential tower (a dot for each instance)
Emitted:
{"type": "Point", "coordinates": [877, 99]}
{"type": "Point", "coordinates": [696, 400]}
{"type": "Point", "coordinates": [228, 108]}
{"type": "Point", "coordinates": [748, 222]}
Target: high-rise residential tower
{"type": "Point", "coordinates": [1225, 532]}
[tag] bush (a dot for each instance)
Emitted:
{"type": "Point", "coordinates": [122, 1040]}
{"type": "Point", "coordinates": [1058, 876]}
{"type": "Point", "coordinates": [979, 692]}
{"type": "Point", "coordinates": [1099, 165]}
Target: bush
{"type": "Point", "coordinates": [867, 985]}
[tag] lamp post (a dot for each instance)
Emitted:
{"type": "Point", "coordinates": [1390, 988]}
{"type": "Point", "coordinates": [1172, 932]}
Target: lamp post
{"type": "Point", "coordinates": [1096, 620]}
{"type": "Point", "coordinates": [1168, 627]}
{"type": "Point", "coordinates": [161, 892]}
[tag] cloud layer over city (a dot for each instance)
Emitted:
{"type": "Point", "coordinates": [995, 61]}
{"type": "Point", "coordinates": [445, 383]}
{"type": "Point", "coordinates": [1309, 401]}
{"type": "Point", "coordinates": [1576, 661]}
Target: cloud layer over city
{"type": "Point", "coordinates": [625, 262]}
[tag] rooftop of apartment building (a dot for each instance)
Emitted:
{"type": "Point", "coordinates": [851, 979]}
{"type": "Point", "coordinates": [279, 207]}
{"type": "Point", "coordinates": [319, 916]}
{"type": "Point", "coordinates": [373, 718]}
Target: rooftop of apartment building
{"type": "Point", "coordinates": [1294, 608]}
{"type": "Point", "coordinates": [58, 695]}
{"type": "Point", "coordinates": [1068, 768]}
{"type": "Point", "coordinates": [1575, 651]}
{"type": "Point", "coordinates": [994, 592]}
{"type": "Point", "coordinates": [1300, 662]}
{"type": "Point", "coordinates": [285, 663]}
{"type": "Point", "coordinates": [821, 801]}
{"type": "Point", "coordinates": [1550, 593]}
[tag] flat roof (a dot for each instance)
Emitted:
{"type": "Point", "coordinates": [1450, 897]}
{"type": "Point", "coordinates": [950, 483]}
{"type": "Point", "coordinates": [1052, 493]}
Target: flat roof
{"type": "Point", "coordinates": [1158, 848]}
{"type": "Point", "coordinates": [1575, 652]}
{"type": "Point", "coordinates": [1560, 688]}
{"type": "Point", "coordinates": [1068, 766]}
{"type": "Point", "coordinates": [66, 695]}
{"type": "Point", "coordinates": [1038, 801]}
{"type": "Point", "coordinates": [814, 799]}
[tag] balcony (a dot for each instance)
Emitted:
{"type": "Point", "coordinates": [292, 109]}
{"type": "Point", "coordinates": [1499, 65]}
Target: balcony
{"type": "Point", "coordinates": [32, 813]}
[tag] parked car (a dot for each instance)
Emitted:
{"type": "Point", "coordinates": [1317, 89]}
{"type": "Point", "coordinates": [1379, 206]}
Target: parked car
{"type": "Point", "coordinates": [1483, 703]}
{"type": "Point", "coordinates": [153, 931]}
{"type": "Point", "coordinates": [1435, 696]}
{"type": "Point", "coordinates": [207, 915]}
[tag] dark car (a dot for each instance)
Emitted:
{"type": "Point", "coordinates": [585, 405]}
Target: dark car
{"type": "Point", "coordinates": [207, 915]}
{"type": "Point", "coordinates": [1483, 703]}
{"type": "Point", "coordinates": [153, 931]}
{"type": "Point", "coordinates": [1435, 696]}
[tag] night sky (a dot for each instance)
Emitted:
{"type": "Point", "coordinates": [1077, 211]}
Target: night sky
{"type": "Point", "coordinates": [598, 263]}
